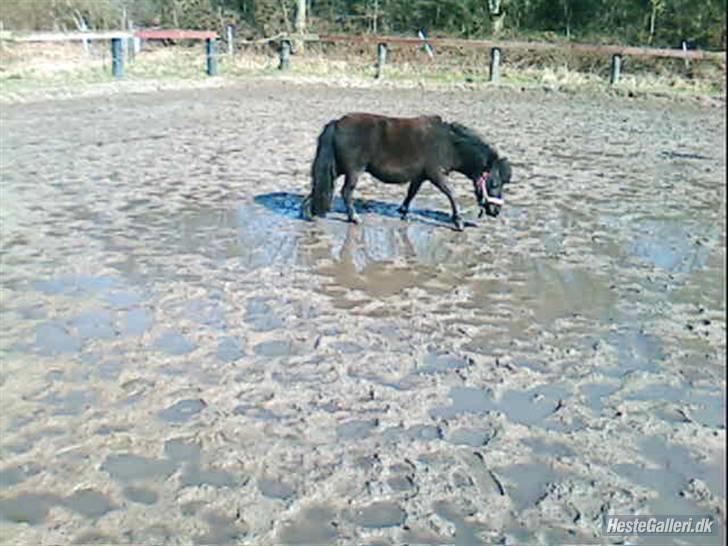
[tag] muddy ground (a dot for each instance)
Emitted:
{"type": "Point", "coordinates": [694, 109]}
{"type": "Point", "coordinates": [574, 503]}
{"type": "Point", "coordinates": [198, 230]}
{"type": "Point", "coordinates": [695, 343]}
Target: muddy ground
{"type": "Point", "coordinates": [185, 361]}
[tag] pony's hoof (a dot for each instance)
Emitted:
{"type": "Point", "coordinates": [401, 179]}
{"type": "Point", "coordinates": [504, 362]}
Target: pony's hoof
{"type": "Point", "coordinates": [355, 219]}
{"type": "Point", "coordinates": [459, 225]}
{"type": "Point", "coordinates": [306, 211]}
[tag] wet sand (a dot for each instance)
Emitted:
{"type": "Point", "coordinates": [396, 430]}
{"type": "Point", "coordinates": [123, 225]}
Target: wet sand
{"type": "Point", "coordinates": [185, 361]}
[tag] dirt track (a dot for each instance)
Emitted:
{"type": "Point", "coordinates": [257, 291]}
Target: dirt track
{"type": "Point", "coordinates": [183, 360]}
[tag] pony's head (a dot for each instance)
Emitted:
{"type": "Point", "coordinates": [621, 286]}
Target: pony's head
{"type": "Point", "coordinates": [489, 186]}
{"type": "Point", "coordinates": [481, 163]}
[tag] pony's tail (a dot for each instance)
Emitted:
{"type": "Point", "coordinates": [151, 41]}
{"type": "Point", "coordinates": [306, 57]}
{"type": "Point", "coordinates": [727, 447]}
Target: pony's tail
{"type": "Point", "coordinates": [323, 174]}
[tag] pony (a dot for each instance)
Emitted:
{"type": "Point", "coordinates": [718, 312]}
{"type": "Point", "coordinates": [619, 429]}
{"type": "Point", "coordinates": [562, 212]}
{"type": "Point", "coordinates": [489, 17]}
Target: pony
{"type": "Point", "coordinates": [404, 151]}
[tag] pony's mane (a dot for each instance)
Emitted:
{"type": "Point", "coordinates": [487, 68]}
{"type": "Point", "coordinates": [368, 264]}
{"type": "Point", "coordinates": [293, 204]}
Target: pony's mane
{"type": "Point", "coordinates": [468, 142]}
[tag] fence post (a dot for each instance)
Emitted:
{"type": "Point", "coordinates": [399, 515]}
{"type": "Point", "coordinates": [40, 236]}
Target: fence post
{"type": "Point", "coordinates": [616, 70]}
{"type": "Point", "coordinates": [230, 38]}
{"type": "Point", "coordinates": [211, 56]}
{"type": "Point", "coordinates": [495, 58]}
{"type": "Point", "coordinates": [685, 50]}
{"type": "Point", "coordinates": [131, 42]}
{"type": "Point", "coordinates": [285, 55]}
{"type": "Point", "coordinates": [117, 57]}
{"type": "Point", "coordinates": [381, 59]}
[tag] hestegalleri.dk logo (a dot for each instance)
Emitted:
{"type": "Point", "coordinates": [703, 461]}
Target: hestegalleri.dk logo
{"type": "Point", "coordinates": [659, 525]}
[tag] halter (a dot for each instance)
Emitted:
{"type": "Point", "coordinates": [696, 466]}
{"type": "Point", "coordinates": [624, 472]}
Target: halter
{"type": "Point", "coordinates": [481, 183]}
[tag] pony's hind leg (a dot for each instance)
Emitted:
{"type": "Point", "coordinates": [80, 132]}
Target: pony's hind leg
{"type": "Point", "coordinates": [412, 190]}
{"type": "Point", "coordinates": [347, 192]}
{"type": "Point", "coordinates": [441, 184]}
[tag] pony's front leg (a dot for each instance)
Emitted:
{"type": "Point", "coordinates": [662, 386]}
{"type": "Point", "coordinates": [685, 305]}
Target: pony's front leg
{"type": "Point", "coordinates": [412, 190]}
{"type": "Point", "coordinates": [347, 192]}
{"type": "Point", "coordinates": [441, 184]}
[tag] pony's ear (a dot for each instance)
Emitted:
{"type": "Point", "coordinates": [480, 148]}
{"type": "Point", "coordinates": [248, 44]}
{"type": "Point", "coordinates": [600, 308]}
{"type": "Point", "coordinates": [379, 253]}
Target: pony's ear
{"type": "Point", "coordinates": [504, 168]}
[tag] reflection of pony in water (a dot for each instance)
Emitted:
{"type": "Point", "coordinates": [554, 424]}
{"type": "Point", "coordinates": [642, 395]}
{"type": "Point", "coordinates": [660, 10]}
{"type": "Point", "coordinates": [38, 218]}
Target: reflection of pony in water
{"type": "Point", "coordinates": [401, 151]}
{"type": "Point", "coordinates": [369, 264]}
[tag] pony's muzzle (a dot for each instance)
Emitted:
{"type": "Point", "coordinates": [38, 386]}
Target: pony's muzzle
{"type": "Point", "coordinates": [491, 205]}
{"type": "Point", "coordinates": [492, 210]}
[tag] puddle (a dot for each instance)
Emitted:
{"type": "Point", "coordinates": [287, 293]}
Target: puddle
{"type": "Point", "coordinates": [53, 338]}
{"type": "Point", "coordinates": [346, 347]}
{"type": "Point", "coordinates": [636, 351]}
{"type": "Point", "coordinates": [122, 299]}
{"type": "Point", "coordinates": [275, 348]}
{"type": "Point", "coordinates": [182, 411]}
{"type": "Point", "coordinates": [230, 349]}
{"type": "Point", "coordinates": [526, 483]}
{"type": "Point", "coordinates": [95, 538]}
{"type": "Point", "coordinates": [260, 316]}
{"type": "Point", "coordinates": [378, 515]}
{"type": "Point", "coordinates": [531, 407]}
{"type": "Point", "coordinates": [223, 530]}
{"type": "Point", "coordinates": [435, 362]}
{"type": "Point", "coordinates": [401, 483]}
{"type": "Point", "coordinates": [206, 312]}
{"type": "Point", "coordinates": [174, 344]}
{"type": "Point", "coordinates": [95, 325]}
{"type": "Point", "coordinates": [707, 408]}
{"type": "Point", "coordinates": [597, 393]}
{"type": "Point", "coordinates": [466, 534]}
{"type": "Point", "coordinates": [77, 286]}
{"type": "Point", "coordinates": [356, 429]}
{"type": "Point", "coordinates": [681, 465]}
{"type": "Point", "coordinates": [423, 433]}
{"type": "Point", "coordinates": [670, 245]}
{"type": "Point", "coordinates": [547, 450]}
{"type": "Point", "coordinates": [29, 508]}
{"type": "Point", "coordinates": [72, 403]}
{"type": "Point", "coordinates": [275, 489]}
{"type": "Point", "coordinates": [552, 293]}
{"type": "Point", "coordinates": [140, 495]}
{"type": "Point", "coordinates": [136, 322]}
{"type": "Point", "coordinates": [255, 412]}
{"type": "Point", "coordinates": [126, 467]}
{"type": "Point", "coordinates": [18, 474]}
{"type": "Point", "coordinates": [194, 476]}
{"type": "Point", "coordinates": [89, 503]}
{"type": "Point", "coordinates": [312, 525]}
{"type": "Point", "coordinates": [181, 450]}
{"type": "Point", "coordinates": [472, 437]}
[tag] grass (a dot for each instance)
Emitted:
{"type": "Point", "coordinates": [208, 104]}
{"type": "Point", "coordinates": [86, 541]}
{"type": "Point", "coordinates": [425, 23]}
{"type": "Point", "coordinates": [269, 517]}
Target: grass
{"type": "Point", "coordinates": [31, 71]}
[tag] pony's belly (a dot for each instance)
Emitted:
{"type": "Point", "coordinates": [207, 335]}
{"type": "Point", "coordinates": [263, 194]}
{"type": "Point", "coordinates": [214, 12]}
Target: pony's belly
{"type": "Point", "coordinates": [390, 177]}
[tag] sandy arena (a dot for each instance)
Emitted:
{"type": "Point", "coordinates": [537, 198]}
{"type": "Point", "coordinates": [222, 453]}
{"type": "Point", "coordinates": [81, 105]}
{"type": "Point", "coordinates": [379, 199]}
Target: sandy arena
{"type": "Point", "coordinates": [185, 361]}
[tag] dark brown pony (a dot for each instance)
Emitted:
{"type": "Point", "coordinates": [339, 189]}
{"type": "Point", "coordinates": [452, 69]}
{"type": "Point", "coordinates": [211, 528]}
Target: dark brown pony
{"type": "Point", "coordinates": [404, 151]}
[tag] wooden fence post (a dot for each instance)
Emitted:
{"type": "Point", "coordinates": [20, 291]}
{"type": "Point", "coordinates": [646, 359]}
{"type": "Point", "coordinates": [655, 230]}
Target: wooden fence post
{"type": "Point", "coordinates": [495, 58]}
{"type": "Point", "coordinates": [131, 45]}
{"type": "Point", "coordinates": [685, 50]}
{"type": "Point", "coordinates": [285, 55]}
{"type": "Point", "coordinates": [381, 59]}
{"type": "Point", "coordinates": [230, 38]}
{"type": "Point", "coordinates": [117, 57]}
{"type": "Point", "coordinates": [211, 56]}
{"type": "Point", "coordinates": [616, 70]}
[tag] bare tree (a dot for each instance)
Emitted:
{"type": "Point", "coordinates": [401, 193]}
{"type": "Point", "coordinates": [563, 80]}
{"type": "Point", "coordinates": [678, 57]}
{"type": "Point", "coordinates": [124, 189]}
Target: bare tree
{"type": "Point", "coordinates": [496, 8]}
{"type": "Point", "coordinates": [656, 8]}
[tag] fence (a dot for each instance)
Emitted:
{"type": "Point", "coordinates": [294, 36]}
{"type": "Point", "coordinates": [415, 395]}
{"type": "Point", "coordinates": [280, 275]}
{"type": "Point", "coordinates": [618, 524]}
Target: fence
{"type": "Point", "coordinates": [117, 40]}
{"type": "Point", "coordinates": [496, 49]}
{"type": "Point", "coordinates": [383, 43]}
